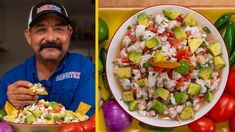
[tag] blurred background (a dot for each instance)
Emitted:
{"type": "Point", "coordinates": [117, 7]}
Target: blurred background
{"type": "Point", "coordinates": [14, 49]}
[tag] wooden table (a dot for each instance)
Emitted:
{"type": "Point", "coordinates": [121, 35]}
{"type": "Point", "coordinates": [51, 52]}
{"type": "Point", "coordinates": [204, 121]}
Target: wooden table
{"type": "Point", "coordinates": [146, 3]}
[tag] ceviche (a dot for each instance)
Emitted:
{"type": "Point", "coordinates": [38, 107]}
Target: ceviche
{"type": "Point", "coordinates": [169, 65]}
{"type": "Point", "coordinates": [45, 112]}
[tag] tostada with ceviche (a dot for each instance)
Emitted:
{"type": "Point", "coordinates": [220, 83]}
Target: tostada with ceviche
{"type": "Point", "coordinates": [45, 112]}
{"type": "Point", "coordinates": [169, 65]}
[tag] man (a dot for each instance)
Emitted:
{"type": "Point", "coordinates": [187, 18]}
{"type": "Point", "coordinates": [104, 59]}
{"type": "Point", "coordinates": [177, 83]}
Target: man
{"type": "Point", "coordinates": [68, 78]}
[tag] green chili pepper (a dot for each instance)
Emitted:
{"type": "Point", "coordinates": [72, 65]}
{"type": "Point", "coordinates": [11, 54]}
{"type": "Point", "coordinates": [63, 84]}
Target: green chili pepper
{"type": "Point", "coordinates": [222, 20]}
{"type": "Point", "coordinates": [104, 78]}
{"type": "Point", "coordinates": [232, 58]}
{"type": "Point", "coordinates": [223, 31]}
{"type": "Point", "coordinates": [228, 38]}
{"type": "Point", "coordinates": [103, 57]}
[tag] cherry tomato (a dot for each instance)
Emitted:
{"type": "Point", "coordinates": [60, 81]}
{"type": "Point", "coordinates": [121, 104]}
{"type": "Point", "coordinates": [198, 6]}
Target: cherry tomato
{"type": "Point", "coordinates": [72, 127]}
{"type": "Point", "coordinates": [231, 82]}
{"type": "Point", "coordinates": [223, 109]}
{"type": "Point", "coordinates": [88, 125]}
{"type": "Point", "coordinates": [203, 124]}
{"type": "Point", "coordinates": [232, 124]}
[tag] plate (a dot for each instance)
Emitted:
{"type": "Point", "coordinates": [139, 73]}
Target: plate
{"type": "Point", "coordinates": [34, 127]}
{"type": "Point", "coordinates": [113, 51]}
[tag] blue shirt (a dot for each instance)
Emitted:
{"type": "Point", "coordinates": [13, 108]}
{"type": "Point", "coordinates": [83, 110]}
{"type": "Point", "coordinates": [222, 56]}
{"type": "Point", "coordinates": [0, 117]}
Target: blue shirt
{"type": "Point", "coordinates": [72, 82]}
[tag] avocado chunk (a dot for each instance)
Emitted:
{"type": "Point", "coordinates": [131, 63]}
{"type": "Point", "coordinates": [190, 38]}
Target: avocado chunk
{"type": "Point", "coordinates": [219, 63]}
{"type": "Point", "coordinates": [209, 96]}
{"type": "Point", "coordinates": [143, 19]}
{"type": "Point", "coordinates": [214, 48]}
{"type": "Point", "coordinates": [163, 93]}
{"type": "Point", "coordinates": [170, 14]}
{"type": "Point", "coordinates": [180, 97]}
{"type": "Point", "coordinates": [205, 73]}
{"type": "Point", "coordinates": [194, 44]}
{"type": "Point", "coordinates": [158, 106]}
{"type": "Point", "coordinates": [58, 116]}
{"type": "Point", "coordinates": [135, 57]}
{"type": "Point", "coordinates": [159, 57]}
{"type": "Point", "coordinates": [133, 105]}
{"type": "Point", "coordinates": [179, 33]}
{"type": "Point", "coordinates": [127, 96]}
{"type": "Point", "coordinates": [30, 119]}
{"type": "Point", "coordinates": [37, 113]}
{"type": "Point", "coordinates": [53, 105]}
{"type": "Point", "coordinates": [143, 82]}
{"type": "Point", "coordinates": [194, 89]}
{"type": "Point", "coordinates": [190, 20]}
{"type": "Point", "coordinates": [123, 72]}
{"type": "Point", "coordinates": [187, 113]}
{"type": "Point", "coordinates": [183, 68]}
{"type": "Point", "coordinates": [152, 42]}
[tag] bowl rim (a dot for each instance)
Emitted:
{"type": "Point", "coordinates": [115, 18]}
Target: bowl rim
{"type": "Point", "coordinates": [167, 5]}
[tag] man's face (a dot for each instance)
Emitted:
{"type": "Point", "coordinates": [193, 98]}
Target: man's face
{"type": "Point", "coordinates": [49, 37]}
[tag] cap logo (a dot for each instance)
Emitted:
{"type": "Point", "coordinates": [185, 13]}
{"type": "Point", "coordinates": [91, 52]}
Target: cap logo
{"type": "Point", "coordinates": [48, 7]}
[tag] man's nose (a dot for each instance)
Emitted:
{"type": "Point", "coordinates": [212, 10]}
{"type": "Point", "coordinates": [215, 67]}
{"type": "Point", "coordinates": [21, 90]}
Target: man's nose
{"type": "Point", "coordinates": [50, 35]}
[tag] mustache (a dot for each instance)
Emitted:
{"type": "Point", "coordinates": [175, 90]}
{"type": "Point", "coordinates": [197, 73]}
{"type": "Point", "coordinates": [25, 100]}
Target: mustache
{"type": "Point", "coordinates": [50, 45]}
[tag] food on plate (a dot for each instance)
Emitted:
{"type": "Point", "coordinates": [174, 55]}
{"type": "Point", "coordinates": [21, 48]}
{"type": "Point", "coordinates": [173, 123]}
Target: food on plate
{"type": "Point", "coordinates": [44, 112]}
{"type": "Point", "coordinates": [38, 89]}
{"type": "Point", "coordinates": [169, 65]}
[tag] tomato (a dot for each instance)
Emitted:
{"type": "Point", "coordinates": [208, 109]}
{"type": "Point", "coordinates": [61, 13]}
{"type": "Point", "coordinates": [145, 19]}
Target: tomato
{"type": "Point", "coordinates": [223, 109]}
{"type": "Point", "coordinates": [231, 82]}
{"type": "Point", "coordinates": [183, 54]}
{"type": "Point", "coordinates": [232, 124]}
{"type": "Point", "coordinates": [103, 31]}
{"type": "Point", "coordinates": [124, 59]}
{"type": "Point", "coordinates": [174, 42]}
{"type": "Point", "coordinates": [188, 33]}
{"type": "Point", "coordinates": [203, 124]}
{"type": "Point", "coordinates": [88, 125]}
{"type": "Point", "coordinates": [72, 127]}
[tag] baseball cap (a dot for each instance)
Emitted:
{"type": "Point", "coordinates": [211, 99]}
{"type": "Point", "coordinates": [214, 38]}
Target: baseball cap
{"type": "Point", "coordinates": [47, 7]}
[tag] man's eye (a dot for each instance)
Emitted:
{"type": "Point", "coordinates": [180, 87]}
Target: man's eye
{"type": "Point", "coordinates": [59, 29]}
{"type": "Point", "coordinates": [40, 29]}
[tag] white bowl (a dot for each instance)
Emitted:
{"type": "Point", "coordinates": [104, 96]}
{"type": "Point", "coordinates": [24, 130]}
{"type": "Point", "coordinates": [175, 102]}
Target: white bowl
{"type": "Point", "coordinates": [114, 50]}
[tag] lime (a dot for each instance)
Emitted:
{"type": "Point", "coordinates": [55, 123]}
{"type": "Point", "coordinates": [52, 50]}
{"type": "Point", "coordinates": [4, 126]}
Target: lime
{"type": "Point", "coordinates": [103, 31]}
{"type": "Point", "coordinates": [2, 113]}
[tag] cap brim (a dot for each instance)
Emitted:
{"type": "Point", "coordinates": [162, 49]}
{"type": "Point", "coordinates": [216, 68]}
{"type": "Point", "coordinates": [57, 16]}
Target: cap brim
{"type": "Point", "coordinates": [66, 19]}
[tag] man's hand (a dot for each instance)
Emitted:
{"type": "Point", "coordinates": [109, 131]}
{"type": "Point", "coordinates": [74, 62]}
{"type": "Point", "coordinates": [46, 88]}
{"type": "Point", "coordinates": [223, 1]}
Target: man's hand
{"type": "Point", "coordinates": [18, 94]}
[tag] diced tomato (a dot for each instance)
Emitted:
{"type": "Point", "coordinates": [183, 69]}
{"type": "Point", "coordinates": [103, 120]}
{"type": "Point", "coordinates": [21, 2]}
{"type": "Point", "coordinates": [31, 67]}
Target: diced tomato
{"type": "Point", "coordinates": [168, 33]}
{"type": "Point", "coordinates": [188, 76]}
{"type": "Point", "coordinates": [182, 79]}
{"type": "Point", "coordinates": [183, 54]}
{"type": "Point", "coordinates": [191, 68]}
{"type": "Point", "coordinates": [174, 42]}
{"type": "Point", "coordinates": [146, 49]}
{"type": "Point", "coordinates": [180, 18]}
{"type": "Point", "coordinates": [124, 59]}
{"type": "Point", "coordinates": [158, 69]}
{"type": "Point", "coordinates": [134, 90]}
{"type": "Point", "coordinates": [205, 51]}
{"type": "Point", "coordinates": [132, 37]}
{"type": "Point", "coordinates": [219, 74]}
{"type": "Point", "coordinates": [188, 33]}
{"type": "Point", "coordinates": [179, 83]}
{"type": "Point", "coordinates": [135, 67]}
{"type": "Point", "coordinates": [153, 29]}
